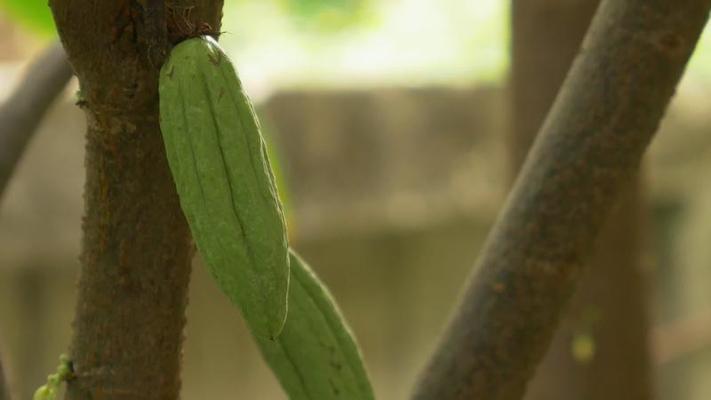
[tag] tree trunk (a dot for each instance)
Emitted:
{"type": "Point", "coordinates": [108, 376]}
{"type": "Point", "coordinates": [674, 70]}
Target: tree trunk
{"type": "Point", "coordinates": [606, 321]}
{"type": "Point", "coordinates": [587, 153]}
{"type": "Point", "coordinates": [136, 251]}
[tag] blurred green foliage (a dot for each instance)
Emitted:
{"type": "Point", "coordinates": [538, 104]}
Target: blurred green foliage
{"type": "Point", "coordinates": [33, 14]}
{"type": "Point", "coordinates": [326, 14]}
{"type": "Point", "coordinates": [318, 14]}
{"type": "Point", "coordinates": [377, 43]}
{"type": "Point", "coordinates": [699, 68]}
{"type": "Point", "coordinates": [311, 42]}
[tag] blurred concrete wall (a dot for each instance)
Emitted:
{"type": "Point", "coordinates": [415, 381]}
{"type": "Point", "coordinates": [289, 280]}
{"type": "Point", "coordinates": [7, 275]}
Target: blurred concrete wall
{"type": "Point", "coordinates": [390, 194]}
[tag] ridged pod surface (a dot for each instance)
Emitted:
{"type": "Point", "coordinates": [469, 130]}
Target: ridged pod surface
{"type": "Point", "coordinates": [226, 187]}
{"type": "Point", "coordinates": [316, 356]}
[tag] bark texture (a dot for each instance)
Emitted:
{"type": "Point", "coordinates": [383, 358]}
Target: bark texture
{"type": "Point", "coordinates": [587, 153]}
{"type": "Point", "coordinates": [136, 251]}
{"type": "Point", "coordinates": [600, 351]}
{"type": "Point", "coordinates": [609, 313]}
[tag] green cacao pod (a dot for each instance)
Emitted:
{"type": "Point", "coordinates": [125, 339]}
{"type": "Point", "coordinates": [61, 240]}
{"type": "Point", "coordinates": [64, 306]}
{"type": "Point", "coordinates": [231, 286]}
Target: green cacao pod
{"type": "Point", "coordinates": [316, 356]}
{"type": "Point", "coordinates": [224, 180]}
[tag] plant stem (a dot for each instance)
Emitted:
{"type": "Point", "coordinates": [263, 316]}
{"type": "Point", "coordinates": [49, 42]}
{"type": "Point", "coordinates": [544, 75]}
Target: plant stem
{"type": "Point", "coordinates": [136, 250]}
{"type": "Point", "coordinates": [609, 307]}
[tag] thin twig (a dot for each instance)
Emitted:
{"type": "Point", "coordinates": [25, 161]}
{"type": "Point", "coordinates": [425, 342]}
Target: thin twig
{"type": "Point", "coordinates": [22, 112]}
{"type": "Point", "coordinates": [588, 151]}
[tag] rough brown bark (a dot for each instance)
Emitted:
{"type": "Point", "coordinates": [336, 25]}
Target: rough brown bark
{"type": "Point", "coordinates": [609, 307]}
{"type": "Point", "coordinates": [136, 249]}
{"type": "Point", "coordinates": [588, 151]}
{"type": "Point", "coordinates": [22, 112]}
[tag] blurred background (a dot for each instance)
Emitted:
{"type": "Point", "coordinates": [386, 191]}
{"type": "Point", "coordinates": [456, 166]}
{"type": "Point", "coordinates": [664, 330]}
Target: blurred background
{"type": "Point", "coordinates": [391, 123]}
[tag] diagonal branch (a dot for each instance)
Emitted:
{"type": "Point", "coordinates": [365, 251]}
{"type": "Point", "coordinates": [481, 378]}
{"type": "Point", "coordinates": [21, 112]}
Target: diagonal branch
{"type": "Point", "coordinates": [609, 307]}
{"type": "Point", "coordinates": [588, 150]}
{"type": "Point", "coordinates": [22, 112]}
